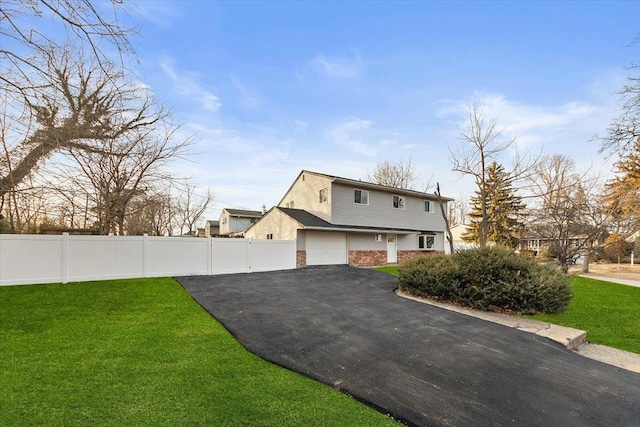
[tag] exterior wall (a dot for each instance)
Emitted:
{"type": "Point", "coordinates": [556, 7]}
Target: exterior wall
{"type": "Point", "coordinates": [380, 211]}
{"type": "Point", "coordinates": [231, 224]}
{"type": "Point", "coordinates": [305, 194]}
{"type": "Point", "coordinates": [301, 259]}
{"type": "Point", "coordinates": [367, 258]}
{"type": "Point", "coordinates": [409, 242]}
{"type": "Point", "coordinates": [366, 242]}
{"type": "Point", "coordinates": [301, 240]}
{"type": "Point", "coordinates": [282, 226]}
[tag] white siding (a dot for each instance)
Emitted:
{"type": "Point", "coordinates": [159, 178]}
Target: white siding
{"type": "Point", "coordinates": [408, 242]}
{"type": "Point", "coordinates": [380, 211]}
{"type": "Point", "coordinates": [305, 193]}
{"type": "Point", "coordinates": [275, 222]}
{"type": "Point", "coordinates": [366, 242]}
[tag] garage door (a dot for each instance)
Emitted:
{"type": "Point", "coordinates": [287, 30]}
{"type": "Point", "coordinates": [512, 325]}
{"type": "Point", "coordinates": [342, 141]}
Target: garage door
{"type": "Point", "coordinates": [326, 248]}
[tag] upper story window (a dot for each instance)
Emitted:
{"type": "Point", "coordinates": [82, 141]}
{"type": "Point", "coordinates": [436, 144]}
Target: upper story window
{"type": "Point", "coordinates": [398, 202]}
{"type": "Point", "coordinates": [324, 195]}
{"type": "Point", "coordinates": [377, 237]}
{"type": "Point", "coordinates": [270, 236]}
{"type": "Point", "coordinates": [361, 197]}
{"type": "Point", "coordinates": [290, 204]}
{"type": "Point", "coordinates": [429, 206]}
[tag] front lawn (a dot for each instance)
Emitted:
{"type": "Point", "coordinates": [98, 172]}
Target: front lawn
{"type": "Point", "coordinates": [609, 312]}
{"type": "Point", "coordinates": [142, 352]}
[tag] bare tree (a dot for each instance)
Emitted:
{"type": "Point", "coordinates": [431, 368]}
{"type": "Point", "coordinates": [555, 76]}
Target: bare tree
{"type": "Point", "coordinates": [400, 174]}
{"type": "Point", "coordinates": [84, 109]}
{"type": "Point", "coordinates": [190, 206]}
{"type": "Point", "coordinates": [33, 28]}
{"type": "Point", "coordinates": [569, 214]}
{"type": "Point", "coordinates": [124, 170]}
{"type": "Point", "coordinates": [624, 130]}
{"type": "Point", "coordinates": [487, 144]}
{"type": "Point", "coordinates": [447, 224]}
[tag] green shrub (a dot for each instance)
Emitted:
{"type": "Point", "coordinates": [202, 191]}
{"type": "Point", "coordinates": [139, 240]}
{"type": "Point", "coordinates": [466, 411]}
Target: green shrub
{"type": "Point", "coordinates": [488, 279]}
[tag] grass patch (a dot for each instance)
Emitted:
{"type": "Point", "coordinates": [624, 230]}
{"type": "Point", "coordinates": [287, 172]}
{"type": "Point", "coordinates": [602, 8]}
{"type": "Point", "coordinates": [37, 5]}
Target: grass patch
{"type": "Point", "coordinates": [609, 312]}
{"type": "Point", "coordinates": [391, 269]}
{"type": "Point", "coordinates": [142, 352]}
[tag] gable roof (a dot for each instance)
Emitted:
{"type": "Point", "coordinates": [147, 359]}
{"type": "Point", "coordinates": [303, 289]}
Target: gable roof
{"type": "Point", "coordinates": [311, 222]}
{"type": "Point", "coordinates": [244, 213]}
{"type": "Point", "coordinates": [368, 185]}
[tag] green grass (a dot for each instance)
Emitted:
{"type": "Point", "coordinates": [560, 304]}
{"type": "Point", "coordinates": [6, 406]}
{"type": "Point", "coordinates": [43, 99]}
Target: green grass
{"type": "Point", "coordinates": [142, 352]}
{"type": "Point", "coordinates": [609, 312]}
{"type": "Point", "coordinates": [391, 269]}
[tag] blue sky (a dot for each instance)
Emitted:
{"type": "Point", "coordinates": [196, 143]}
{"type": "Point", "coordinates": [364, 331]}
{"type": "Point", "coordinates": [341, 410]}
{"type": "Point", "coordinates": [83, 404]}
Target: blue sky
{"type": "Point", "coordinates": [271, 88]}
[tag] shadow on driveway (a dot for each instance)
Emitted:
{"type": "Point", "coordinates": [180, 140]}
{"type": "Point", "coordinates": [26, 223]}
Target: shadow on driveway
{"type": "Point", "coordinates": [345, 327]}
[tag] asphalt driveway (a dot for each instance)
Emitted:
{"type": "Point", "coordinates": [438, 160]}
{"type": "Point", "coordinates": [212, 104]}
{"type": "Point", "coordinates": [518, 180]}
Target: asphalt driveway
{"type": "Point", "coordinates": [423, 365]}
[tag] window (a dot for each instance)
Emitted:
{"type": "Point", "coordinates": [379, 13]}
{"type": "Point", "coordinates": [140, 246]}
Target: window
{"type": "Point", "coordinates": [324, 195]}
{"type": "Point", "coordinates": [398, 202]}
{"type": "Point", "coordinates": [290, 204]}
{"type": "Point", "coordinates": [361, 197]}
{"type": "Point", "coordinates": [270, 236]}
{"type": "Point", "coordinates": [378, 237]}
{"type": "Point", "coordinates": [426, 241]}
{"type": "Point", "coordinates": [429, 206]}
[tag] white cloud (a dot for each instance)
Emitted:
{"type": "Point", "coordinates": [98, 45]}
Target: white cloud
{"type": "Point", "coordinates": [247, 98]}
{"type": "Point", "coordinates": [300, 125]}
{"type": "Point", "coordinates": [338, 67]}
{"type": "Point", "coordinates": [187, 84]}
{"type": "Point", "coordinates": [161, 13]}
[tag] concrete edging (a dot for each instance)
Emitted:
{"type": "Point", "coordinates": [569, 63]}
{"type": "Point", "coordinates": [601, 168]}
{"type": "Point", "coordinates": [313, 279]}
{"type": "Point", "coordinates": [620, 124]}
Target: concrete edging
{"type": "Point", "coordinates": [568, 337]}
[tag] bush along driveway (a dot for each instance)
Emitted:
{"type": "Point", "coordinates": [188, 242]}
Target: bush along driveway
{"type": "Point", "coordinates": [422, 364]}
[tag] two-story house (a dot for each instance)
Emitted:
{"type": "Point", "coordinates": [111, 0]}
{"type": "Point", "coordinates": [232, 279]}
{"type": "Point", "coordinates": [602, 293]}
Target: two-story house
{"type": "Point", "coordinates": [234, 222]}
{"type": "Point", "coordinates": [338, 220]}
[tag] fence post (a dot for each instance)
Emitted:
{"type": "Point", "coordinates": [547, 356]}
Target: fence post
{"type": "Point", "coordinates": [209, 256]}
{"type": "Point", "coordinates": [65, 257]}
{"type": "Point", "coordinates": [145, 255]}
{"type": "Point", "coordinates": [249, 255]}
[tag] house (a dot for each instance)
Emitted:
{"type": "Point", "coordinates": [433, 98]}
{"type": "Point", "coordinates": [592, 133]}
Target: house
{"type": "Point", "coordinates": [234, 222]}
{"type": "Point", "coordinates": [212, 228]}
{"type": "Point", "coordinates": [338, 220]}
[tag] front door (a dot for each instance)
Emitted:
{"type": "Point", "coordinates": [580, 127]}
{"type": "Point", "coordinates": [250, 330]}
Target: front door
{"type": "Point", "coordinates": [392, 249]}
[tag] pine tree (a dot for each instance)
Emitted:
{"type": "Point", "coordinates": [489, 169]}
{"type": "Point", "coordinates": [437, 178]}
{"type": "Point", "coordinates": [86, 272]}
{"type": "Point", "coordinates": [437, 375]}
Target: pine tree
{"type": "Point", "coordinates": [504, 210]}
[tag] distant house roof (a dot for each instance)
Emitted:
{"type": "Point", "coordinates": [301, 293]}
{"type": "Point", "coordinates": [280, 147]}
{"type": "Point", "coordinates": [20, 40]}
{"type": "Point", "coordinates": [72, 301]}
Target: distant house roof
{"type": "Point", "coordinates": [244, 213]}
{"type": "Point", "coordinates": [213, 223]}
{"type": "Point", "coordinates": [373, 186]}
{"type": "Point", "coordinates": [312, 222]}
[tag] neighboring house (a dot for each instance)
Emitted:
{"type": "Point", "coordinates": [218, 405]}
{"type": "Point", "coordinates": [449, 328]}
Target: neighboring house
{"type": "Point", "coordinates": [344, 221]}
{"type": "Point", "coordinates": [234, 222]}
{"type": "Point", "coordinates": [540, 246]}
{"type": "Point", "coordinates": [458, 243]}
{"type": "Point", "coordinates": [212, 228]}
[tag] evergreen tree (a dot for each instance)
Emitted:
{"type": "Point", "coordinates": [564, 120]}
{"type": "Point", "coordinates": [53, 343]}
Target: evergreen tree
{"type": "Point", "coordinates": [504, 210]}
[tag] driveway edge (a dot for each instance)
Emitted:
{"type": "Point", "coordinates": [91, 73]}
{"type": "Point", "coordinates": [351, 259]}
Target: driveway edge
{"type": "Point", "coordinates": [572, 339]}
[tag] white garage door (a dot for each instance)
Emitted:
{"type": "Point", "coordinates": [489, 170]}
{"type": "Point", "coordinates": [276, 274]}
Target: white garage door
{"type": "Point", "coordinates": [326, 248]}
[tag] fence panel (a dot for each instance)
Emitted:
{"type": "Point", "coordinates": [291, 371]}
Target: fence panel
{"type": "Point", "coordinates": [105, 257]}
{"type": "Point", "coordinates": [230, 256]}
{"type": "Point", "coordinates": [270, 255]}
{"type": "Point", "coordinates": [177, 256]}
{"type": "Point", "coordinates": [30, 259]}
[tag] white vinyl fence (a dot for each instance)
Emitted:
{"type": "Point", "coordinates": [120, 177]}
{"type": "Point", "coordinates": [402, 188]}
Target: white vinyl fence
{"type": "Point", "coordinates": [30, 259]}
